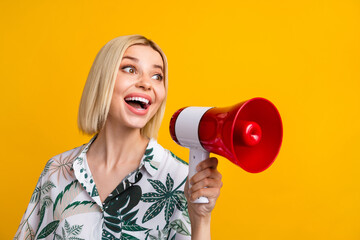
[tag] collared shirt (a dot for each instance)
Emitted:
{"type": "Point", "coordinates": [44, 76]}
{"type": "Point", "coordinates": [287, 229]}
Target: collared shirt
{"type": "Point", "coordinates": [149, 203]}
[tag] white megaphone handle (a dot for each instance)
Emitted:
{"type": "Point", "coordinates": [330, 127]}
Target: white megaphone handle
{"type": "Point", "coordinates": [197, 156]}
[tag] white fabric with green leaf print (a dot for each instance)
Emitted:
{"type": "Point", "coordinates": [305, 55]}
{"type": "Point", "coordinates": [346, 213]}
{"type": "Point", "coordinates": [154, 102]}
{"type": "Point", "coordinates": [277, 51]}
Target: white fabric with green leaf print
{"type": "Point", "coordinates": [148, 204]}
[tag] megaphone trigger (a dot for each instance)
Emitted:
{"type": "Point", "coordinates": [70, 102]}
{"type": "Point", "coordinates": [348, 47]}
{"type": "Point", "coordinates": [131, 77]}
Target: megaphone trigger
{"type": "Point", "coordinates": [197, 156]}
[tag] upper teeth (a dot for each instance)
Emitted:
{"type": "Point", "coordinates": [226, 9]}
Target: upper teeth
{"type": "Point", "coordinates": [140, 99]}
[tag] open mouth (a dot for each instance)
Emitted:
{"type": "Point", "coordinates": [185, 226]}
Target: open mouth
{"type": "Point", "coordinates": [138, 103]}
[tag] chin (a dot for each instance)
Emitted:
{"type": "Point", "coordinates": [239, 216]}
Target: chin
{"type": "Point", "coordinates": [136, 123]}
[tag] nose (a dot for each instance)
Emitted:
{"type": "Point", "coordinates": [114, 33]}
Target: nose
{"type": "Point", "coordinates": [144, 83]}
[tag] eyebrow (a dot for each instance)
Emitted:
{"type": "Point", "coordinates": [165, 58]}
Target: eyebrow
{"type": "Point", "coordinates": [137, 60]}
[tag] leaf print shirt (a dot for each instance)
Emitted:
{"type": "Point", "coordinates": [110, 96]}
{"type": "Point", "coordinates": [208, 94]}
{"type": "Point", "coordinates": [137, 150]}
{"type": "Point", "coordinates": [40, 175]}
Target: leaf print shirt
{"type": "Point", "coordinates": [149, 203]}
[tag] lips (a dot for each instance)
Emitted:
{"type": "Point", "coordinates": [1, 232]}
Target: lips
{"type": "Point", "coordinates": [138, 103]}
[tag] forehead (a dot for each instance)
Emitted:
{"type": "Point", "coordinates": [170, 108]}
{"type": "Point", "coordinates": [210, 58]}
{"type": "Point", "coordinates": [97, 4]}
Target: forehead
{"type": "Point", "coordinates": [144, 54]}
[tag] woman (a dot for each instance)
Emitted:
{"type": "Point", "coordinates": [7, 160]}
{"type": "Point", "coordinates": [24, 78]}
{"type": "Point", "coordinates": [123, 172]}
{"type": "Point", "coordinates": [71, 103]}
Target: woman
{"type": "Point", "coordinates": [122, 184]}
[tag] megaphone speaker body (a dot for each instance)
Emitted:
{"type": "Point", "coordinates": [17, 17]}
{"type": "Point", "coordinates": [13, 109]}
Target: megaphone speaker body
{"type": "Point", "coordinates": [249, 134]}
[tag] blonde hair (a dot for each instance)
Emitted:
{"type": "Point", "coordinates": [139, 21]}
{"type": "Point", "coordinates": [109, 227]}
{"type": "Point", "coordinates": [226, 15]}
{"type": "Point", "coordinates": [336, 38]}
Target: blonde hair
{"type": "Point", "coordinates": [96, 97]}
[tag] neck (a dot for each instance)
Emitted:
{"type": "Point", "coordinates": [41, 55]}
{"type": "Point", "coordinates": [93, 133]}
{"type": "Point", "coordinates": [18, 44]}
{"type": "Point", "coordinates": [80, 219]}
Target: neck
{"type": "Point", "coordinates": [117, 145]}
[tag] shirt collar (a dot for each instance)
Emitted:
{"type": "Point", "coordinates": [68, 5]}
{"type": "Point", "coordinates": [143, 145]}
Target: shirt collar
{"type": "Point", "coordinates": [151, 159]}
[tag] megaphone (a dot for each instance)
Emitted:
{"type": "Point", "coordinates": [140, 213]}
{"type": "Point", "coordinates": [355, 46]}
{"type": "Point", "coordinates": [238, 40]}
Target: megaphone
{"type": "Point", "coordinates": [249, 134]}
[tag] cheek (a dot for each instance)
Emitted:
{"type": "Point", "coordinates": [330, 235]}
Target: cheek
{"type": "Point", "coordinates": [120, 86]}
{"type": "Point", "coordinates": [161, 93]}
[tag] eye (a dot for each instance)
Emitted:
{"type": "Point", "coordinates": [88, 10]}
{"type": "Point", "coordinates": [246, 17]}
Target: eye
{"type": "Point", "coordinates": [158, 77]}
{"type": "Point", "coordinates": [129, 69]}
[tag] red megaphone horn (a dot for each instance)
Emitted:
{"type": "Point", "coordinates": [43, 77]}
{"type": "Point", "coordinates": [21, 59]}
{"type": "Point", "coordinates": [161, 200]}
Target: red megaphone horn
{"type": "Point", "coordinates": [249, 134]}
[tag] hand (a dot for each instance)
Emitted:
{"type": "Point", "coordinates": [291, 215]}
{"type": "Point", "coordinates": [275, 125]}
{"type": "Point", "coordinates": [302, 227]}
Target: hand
{"type": "Point", "coordinates": [207, 183]}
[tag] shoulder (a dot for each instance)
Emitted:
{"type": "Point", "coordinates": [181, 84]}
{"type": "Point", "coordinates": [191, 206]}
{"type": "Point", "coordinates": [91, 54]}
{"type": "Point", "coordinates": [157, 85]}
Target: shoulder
{"type": "Point", "coordinates": [174, 161]}
{"type": "Point", "coordinates": [177, 158]}
{"type": "Point", "coordinates": [69, 154]}
{"type": "Point", "coordinates": [169, 162]}
{"type": "Point", "coordinates": [61, 161]}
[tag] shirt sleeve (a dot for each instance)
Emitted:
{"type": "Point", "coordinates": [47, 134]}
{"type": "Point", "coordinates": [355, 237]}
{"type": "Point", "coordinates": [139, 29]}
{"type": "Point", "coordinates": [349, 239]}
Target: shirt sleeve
{"type": "Point", "coordinates": [180, 226]}
{"type": "Point", "coordinates": [33, 215]}
{"type": "Point", "coordinates": [30, 219]}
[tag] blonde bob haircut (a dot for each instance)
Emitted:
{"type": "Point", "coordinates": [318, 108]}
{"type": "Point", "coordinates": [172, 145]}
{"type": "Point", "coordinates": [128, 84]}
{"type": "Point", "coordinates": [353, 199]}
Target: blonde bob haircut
{"type": "Point", "coordinates": [96, 97]}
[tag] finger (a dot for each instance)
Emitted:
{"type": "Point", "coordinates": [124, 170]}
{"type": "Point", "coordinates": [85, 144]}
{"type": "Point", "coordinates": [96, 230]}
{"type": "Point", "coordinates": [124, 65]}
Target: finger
{"type": "Point", "coordinates": [210, 193]}
{"type": "Point", "coordinates": [207, 163]}
{"type": "Point", "coordinates": [186, 189]}
{"type": "Point", "coordinates": [206, 173]}
{"type": "Point", "coordinates": [206, 183]}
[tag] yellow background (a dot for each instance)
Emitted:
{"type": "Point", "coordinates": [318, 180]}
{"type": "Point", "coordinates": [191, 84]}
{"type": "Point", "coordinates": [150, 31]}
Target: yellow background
{"type": "Point", "coordinates": [301, 55]}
